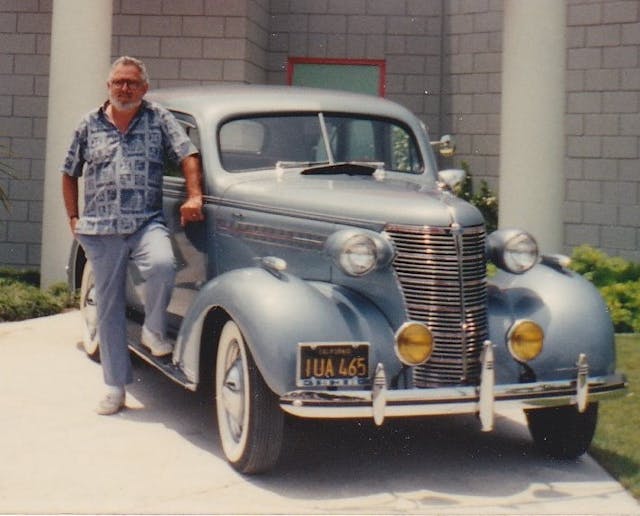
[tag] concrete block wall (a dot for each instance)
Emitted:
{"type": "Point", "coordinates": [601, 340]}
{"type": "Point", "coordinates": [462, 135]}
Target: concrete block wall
{"type": "Point", "coordinates": [195, 41]}
{"type": "Point", "coordinates": [602, 173]}
{"type": "Point", "coordinates": [603, 126]}
{"type": "Point", "coordinates": [472, 36]}
{"type": "Point", "coordinates": [404, 33]}
{"type": "Point", "coordinates": [182, 42]}
{"type": "Point", "coordinates": [25, 27]}
{"type": "Point", "coordinates": [257, 41]}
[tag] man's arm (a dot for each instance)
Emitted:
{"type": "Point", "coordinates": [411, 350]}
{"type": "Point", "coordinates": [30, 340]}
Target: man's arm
{"type": "Point", "coordinates": [70, 196]}
{"type": "Point", "coordinates": [191, 210]}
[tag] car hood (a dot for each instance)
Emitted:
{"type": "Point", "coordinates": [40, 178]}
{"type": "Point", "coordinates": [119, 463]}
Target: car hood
{"type": "Point", "coordinates": [355, 200]}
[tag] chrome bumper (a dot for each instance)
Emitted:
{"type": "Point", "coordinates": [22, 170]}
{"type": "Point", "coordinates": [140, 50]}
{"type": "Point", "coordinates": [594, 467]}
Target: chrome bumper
{"type": "Point", "coordinates": [380, 402]}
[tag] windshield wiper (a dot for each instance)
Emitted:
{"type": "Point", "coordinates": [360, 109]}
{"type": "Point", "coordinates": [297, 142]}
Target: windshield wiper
{"type": "Point", "coordinates": [297, 164]}
{"type": "Point", "coordinates": [351, 168]}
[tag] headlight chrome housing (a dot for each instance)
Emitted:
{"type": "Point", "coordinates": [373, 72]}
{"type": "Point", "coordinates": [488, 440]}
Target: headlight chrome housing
{"type": "Point", "coordinates": [513, 250]}
{"type": "Point", "coordinates": [414, 343]}
{"type": "Point", "coordinates": [525, 340]}
{"type": "Point", "coordinates": [359, 252]}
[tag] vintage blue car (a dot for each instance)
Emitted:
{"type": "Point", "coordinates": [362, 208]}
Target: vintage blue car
{"type": "Point", "coordinates": [336, 275]}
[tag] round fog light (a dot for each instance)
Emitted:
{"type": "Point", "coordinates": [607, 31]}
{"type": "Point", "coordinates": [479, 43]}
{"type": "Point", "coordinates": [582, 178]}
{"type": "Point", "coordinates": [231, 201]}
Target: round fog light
{"type": "Point", "coordinates": [414, 343]}
{"type": "Point", "coordinates": [525, 340]}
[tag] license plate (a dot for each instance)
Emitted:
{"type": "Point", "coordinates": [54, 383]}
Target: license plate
{"type": "Point", "coordinates": [333, 364]}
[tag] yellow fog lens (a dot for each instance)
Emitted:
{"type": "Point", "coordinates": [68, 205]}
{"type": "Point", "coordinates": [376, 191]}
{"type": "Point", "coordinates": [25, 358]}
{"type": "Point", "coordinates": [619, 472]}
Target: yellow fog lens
{"type": "Point", "coordinates": [414, 343]}
{"type": "Point", "coordinates": [525, 340]}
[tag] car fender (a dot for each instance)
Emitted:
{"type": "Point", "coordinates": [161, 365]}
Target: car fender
{"type": "Point", "coordinates": [570, 311]}
{"type": "Point", "coordinates": [277, 311]}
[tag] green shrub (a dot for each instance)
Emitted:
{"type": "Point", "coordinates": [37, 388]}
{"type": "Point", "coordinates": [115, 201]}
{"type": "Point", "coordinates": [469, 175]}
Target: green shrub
{"type": "Point", "coordinates": [21, 298]}
{"type": "Point", "coordinates": [603, 270]}
{"type": "Point", "coordinates": [618, 281]}
{"type": "Point", "coordinates": [623, 300]}
{"type": "Point", "coordinates": [485, 200]}
{"type": "Point", "coordinates": [31, 277]}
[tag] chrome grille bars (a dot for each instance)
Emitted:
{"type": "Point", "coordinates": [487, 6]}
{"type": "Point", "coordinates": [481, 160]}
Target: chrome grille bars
{"type": "Point", "coordinates": [442, 272]}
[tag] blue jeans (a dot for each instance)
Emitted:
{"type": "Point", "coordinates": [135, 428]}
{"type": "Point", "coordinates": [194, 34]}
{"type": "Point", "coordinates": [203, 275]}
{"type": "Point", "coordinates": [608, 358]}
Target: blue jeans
{"type": "Point", "coordinates": [151, 252]}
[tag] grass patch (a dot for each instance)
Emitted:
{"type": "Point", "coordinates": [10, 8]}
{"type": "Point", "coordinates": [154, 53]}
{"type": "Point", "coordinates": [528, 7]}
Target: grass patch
{"type": "Point", "coordinates": [21, 297]}
{"type": "Point", "coordinates": [616, 443]}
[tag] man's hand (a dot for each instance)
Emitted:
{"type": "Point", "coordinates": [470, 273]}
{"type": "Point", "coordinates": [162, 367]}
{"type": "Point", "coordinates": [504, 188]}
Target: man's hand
{"type": "Point", "coordinates": [191, 210]}
{"type": "Point", "coordinates": [70, 196]}
{"type": "Point", "coordinates": [73, 221]}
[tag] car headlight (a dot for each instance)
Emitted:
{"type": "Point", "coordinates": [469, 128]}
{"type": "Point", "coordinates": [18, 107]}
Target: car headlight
{"type": "Point", "coordinates": [414, 343]}
{"type": "Point", "coordinates": [513, 250]}
{"type": "Point", "coordinates": [358, 255]}
{"type": "Point", "coordinates": [358, 252]}
{"type": "Point", "coordinates": [525, 340]}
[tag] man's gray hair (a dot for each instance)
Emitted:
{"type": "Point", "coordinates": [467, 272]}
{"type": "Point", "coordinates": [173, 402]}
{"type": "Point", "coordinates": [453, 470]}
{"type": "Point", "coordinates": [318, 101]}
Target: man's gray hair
{"type": "Point", "coordinates": [127, 60]}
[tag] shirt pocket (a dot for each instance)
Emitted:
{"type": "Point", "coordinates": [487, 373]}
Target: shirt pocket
{"type": "Point", "coordinates": [101, 147]}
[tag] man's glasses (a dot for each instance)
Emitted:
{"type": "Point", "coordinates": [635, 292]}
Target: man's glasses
{"type": "Point", "coordinates": [121, 83]}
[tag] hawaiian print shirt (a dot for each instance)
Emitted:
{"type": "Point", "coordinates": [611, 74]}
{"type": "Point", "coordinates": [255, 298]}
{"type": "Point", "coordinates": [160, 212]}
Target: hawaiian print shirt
{"type": "Point", "coordinates": [123, 171]}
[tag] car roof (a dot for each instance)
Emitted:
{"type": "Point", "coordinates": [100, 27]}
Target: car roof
{"type": "Point", "coordinates": [221, 101]}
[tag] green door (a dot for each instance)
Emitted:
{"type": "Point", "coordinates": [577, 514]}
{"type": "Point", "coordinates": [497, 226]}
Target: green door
{"type": "Point", "coordinates": [360, 76]}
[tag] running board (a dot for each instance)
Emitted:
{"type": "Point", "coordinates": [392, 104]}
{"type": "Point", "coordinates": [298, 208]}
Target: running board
{"type": "Point", "coordinates": [162, 364]}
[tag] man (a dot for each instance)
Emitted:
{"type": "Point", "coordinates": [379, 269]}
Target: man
{"type": "Point", "coordinates": [121, 149]}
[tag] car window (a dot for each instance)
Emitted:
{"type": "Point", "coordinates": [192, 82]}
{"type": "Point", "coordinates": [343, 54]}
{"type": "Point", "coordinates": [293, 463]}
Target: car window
{"type": "Point", "coordinates": [260, 142]}
{"type": "Point", "coordinates": [171, 168]}
{"type": "Point", "coordinates": [373, 140]}
{"type": "Point", "coordinates": [243, 136]}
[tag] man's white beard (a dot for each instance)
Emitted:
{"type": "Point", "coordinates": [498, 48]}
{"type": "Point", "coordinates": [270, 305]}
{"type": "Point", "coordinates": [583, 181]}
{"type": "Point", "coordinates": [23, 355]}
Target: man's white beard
{"type": "Point", "coordinates": [124, 106]}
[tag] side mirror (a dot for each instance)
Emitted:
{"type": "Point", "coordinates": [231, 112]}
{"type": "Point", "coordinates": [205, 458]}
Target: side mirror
{"type": "Point", "coordinates": [446, 146]}
{"type": "Point", "coordinates": [452, 177]}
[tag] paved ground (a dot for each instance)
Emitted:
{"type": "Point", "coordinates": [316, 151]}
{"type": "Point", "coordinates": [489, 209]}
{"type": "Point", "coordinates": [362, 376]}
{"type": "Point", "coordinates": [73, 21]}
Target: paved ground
{"type": "Point", "coordinates": [161, 454]}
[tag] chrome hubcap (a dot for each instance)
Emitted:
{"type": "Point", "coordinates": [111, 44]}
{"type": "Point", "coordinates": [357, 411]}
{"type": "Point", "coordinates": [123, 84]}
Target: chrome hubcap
{"type": "Point", "coordinates": [233, 395]}
{"type": "Point", "coordinates": [90, 315]}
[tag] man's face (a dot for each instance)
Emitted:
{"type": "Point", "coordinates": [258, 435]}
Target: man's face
{"type": "Point", "coordinates": [126, 87]}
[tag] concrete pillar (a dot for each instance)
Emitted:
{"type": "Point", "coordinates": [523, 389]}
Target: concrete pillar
{"type": "Point", "coordinates": [80, 60]}
{"type": "Point", "coordinates": [532, 142]}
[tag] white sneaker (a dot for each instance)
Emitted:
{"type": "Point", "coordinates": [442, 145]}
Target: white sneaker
{"type": "Point", "coordinates": [159, 347]}
{"type": "Point", "coordinates": [112, 403]}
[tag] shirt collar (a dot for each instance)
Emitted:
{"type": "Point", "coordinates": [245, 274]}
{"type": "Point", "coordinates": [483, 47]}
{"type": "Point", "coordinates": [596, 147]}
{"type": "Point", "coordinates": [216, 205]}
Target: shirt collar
{"type": "Point", "coordinates": [144, 105]}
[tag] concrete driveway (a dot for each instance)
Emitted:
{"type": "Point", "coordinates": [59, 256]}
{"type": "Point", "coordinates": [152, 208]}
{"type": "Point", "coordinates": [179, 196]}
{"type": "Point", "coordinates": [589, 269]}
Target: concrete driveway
{"type": "Point", "coordinates": [161, 455]}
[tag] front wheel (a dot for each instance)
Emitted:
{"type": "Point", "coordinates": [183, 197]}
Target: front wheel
{"type": "Point", "coordinates": [563, 432]}
{"type": "Point", "coordinates": [89, 313]}
{"type": "Point", "coordinates": [250, 422]}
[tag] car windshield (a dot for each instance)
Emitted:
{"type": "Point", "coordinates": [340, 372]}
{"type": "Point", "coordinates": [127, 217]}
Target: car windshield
{"type": "Point", "coordinates": [260, 142]}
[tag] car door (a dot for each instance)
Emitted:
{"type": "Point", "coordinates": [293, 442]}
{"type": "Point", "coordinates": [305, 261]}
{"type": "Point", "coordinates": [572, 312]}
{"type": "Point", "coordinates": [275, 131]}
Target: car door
{"type": "Point", "coordinates": [189, 242]}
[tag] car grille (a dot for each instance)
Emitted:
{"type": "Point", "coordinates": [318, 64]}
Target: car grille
{"type": "Point", "coordinates": [442, 272]}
